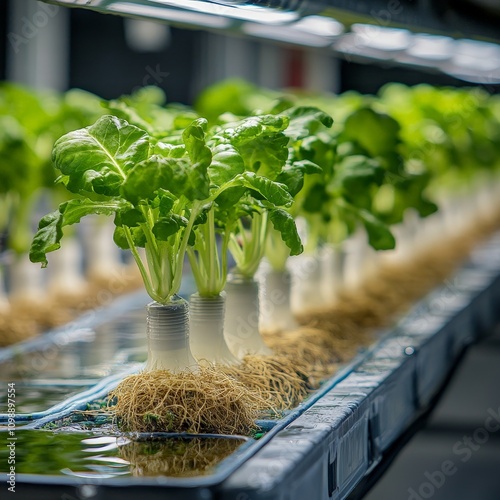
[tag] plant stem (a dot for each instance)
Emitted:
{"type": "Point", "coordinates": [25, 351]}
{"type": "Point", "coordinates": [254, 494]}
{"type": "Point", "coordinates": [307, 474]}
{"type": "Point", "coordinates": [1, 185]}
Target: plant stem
{"type": "Point", "coordinates": [145, 277]}
{"type": "Point", "coordinates": [195, 211]}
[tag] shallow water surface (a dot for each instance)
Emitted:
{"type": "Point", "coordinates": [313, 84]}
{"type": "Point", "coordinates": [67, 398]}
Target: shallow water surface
{"type": "Point", "coordinates": [87, 455]}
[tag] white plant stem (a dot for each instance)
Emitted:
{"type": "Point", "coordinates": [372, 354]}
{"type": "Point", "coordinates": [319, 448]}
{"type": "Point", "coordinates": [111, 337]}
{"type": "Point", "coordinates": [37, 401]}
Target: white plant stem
{"type": "Point", "coordinates": [241, 329]}
{"type": "Point", "coordinates": [168, 336]}
{"type": "Point", "coordinates": [275, 299]}
{"type": "Point", "coordinates": [207, 329]}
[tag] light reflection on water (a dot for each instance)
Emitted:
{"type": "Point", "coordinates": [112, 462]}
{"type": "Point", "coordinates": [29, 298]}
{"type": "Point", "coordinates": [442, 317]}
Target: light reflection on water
{"type": "Point", "coordinates": [88, 456]}
{"type": "Point", "coordinates": [47, 377]}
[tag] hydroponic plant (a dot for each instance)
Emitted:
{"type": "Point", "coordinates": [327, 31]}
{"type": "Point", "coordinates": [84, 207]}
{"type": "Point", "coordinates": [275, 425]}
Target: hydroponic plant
{"type": "Point", "coordinates": [158, 193]}
{"type": "Point", "coordinates": [31, 122]}
{"type": "Point", "coordinates": [363, 181]}
{"type": "Point", "coordinates": [179, 187]}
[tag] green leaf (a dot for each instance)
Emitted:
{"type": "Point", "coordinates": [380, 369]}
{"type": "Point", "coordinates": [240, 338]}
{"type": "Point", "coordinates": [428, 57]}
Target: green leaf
{"type": "Point", "coordinates": [379, 234]}
{"type": "Point", "coordinates": [167, 226]}
{"type": "Point", "coordinates": [194, 140]}
{"type": "Point", "coordinates": [316, 198]}
{"type": "Point", "coordinates": [273, 192]}
{"type": "Point", "coordinates": [129, 217]}
{"type": "Point", "coordinates": [376, 132]}
{"type": "Point", "coordinates": [226, 164]}
{"type": "Point", "coordinates": [228, 199]}
{"type": "Point", "coordinates": [260, 141]}
{"type": "Point", "coordinates": [292, 176]}
{"type": "Point", "coordinates": [201, 157]}
{"type": "Point", "coordinates": [355, 174]}
{"type": "Point", "coordinates": [138, 237]}
{"type": "Point", "coordinates": [265, 155]}
{"type": "Point", "coordinates": [74, 210]}
{"type": "Point", "coordinates": [145, 178]}
{"type": "Point", "coordinates": [169, 150]}
{"type": "Point", "coordinates": [49, 234]}
{"type": "Point", "coordinates": [285, 224]}
{"type": "Point", "coordinates": [98, 158]}
{"type": "Point", "coordinates": [305, 121]}
{"type": "Point", "coordinates": [48, 237]}
{"type": "Point", "coordinates": [320, 149]}
{"type": "Point", "coordinates": [166, 202]}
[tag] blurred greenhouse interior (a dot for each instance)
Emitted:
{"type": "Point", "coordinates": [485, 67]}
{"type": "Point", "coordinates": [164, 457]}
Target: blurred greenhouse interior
{"type": "Point", "coordinates": [52, 47]}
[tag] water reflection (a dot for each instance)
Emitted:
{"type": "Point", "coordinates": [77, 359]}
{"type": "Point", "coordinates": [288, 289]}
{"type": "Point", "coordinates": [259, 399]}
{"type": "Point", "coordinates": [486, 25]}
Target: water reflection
{"type": "Point", "coordinates": [89, 456]}
{"type": "Point", "coordinates": [177, 457]}
{"type": "Point", "coordinates": [50, 375]}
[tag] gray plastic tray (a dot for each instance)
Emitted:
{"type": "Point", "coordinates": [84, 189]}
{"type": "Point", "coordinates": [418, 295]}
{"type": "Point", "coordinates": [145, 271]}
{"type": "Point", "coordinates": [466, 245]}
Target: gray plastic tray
{"type": "Point", "coordinates": [325, 446]}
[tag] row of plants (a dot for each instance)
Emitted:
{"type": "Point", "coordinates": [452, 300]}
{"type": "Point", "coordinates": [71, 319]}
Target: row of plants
{"type": "Point", "coordinates": [247, 175]}
{"type": "Point", "coordinates": [30, 123]}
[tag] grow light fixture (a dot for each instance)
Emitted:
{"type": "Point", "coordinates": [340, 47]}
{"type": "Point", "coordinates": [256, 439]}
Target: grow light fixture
{"type": "Point", "coordinates": [310, 24]}
{"type": "Point", "coordinates": [251, 13]}
{"type": "Point", "coordinates": [195, 12]}
{"type": "Point", "coordinates": [311, 31]}
{"type": "Point", "coordinates": [431, 47]}
{"type": "Point", "coordinates": [176, 16]}
{"type": "Point", "coordinates": [469, 60]}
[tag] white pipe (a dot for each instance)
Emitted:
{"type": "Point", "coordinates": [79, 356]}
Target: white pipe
{"type": "Point", "coordinates": [241, 328]}
{"type": "Point", "coordinates": [207, 329]}
{"type": "Point", "coordinates": [168, 337]}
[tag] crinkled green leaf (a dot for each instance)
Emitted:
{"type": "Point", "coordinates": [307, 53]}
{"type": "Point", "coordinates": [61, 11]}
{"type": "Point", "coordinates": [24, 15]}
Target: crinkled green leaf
{"type": "Point", "coordinates": [167, 226]}
{"type": "Point", "coordinates": [198, 183]}
{"type": "Point", "coordinates": [285, 224]}
{"type": "Point", "coordinates": [138, 237]}
{"type": "Point", "coordinates": [145, 178]}
{"type": "Point", "coordinates": [305, 121]}
{"type": "Point", "coordinates": [167, 150]}
{"type": "Point", "coordinates": [48, 237]}
{"type": "Point", "coordinates": [49, 234]}
{"type": "Point", "coordinates": [98, 158]}
{"type": "Point", "coordinates": [131, 217]}
{"type": "Point", "coordinates": [260, 142]}
{"type": "Point", "coordinates": [226, 164]}
{"type": "Point", "coordinates": [292, 176]}
{"type": "Point", "coordinates": [165, 202]}
{"type": "Point", "coordinates": [265, 155]}
{"type": "Point", "coordinates": [273, 192]}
